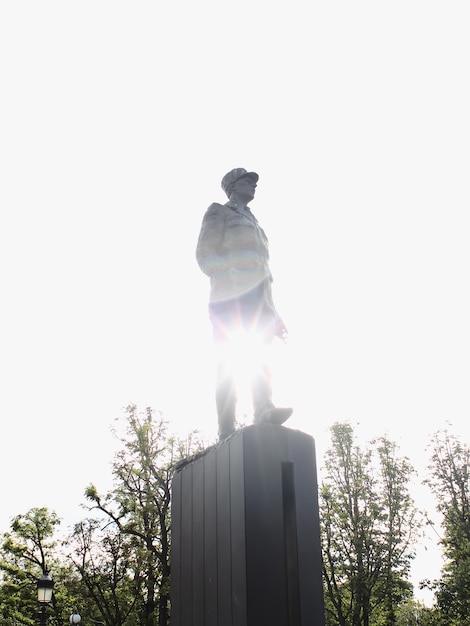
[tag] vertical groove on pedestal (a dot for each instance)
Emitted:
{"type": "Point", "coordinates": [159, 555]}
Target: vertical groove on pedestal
{"type": "Point", "coordinates": [290, 543]}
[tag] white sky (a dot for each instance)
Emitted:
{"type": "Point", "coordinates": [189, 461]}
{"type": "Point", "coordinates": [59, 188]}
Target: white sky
{"type": "Point", "coordinates": [118, 121]}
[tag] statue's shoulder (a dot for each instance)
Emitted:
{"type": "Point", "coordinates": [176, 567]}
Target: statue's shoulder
{"type": "Point", "coordinates": [216, 209]}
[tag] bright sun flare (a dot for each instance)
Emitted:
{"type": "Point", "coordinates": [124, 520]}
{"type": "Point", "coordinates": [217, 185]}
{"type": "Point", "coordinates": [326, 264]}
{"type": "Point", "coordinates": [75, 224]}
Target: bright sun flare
{"type": "Point", "coordinates": [244, 353]}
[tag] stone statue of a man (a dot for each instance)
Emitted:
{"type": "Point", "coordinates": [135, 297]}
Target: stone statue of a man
{"type": "Point", "coordinates": [233, 251]}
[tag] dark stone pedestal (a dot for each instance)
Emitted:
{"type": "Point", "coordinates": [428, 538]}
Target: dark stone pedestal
{"type": "Point", "coordinates": [245, 533]}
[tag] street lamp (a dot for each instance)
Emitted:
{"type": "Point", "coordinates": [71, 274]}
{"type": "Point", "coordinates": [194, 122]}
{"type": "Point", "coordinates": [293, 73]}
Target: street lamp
{"type": "Point", "coordinates": [45, 587]}
{"type": "Point", "coordinates": [75, 618]}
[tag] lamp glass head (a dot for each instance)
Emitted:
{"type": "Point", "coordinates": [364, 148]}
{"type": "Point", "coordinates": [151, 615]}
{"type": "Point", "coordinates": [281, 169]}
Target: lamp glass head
{"type": "Point", "coordinates": [45, 587]}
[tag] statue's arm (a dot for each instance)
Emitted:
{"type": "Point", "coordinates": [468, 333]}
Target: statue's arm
{"type": "Point", "coordinates": [210, 240]}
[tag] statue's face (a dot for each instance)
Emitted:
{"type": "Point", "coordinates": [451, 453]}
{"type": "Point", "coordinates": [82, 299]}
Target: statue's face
{"type": "Point", "coordinates": [244, 188]}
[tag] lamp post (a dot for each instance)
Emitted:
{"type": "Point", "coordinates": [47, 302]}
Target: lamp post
{"type": "Point", "coordinates": [45, 587]}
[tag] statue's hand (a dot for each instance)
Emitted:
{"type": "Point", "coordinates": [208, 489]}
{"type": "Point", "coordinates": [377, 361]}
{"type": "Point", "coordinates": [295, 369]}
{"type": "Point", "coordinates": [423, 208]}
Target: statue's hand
{"type": "Point", "coordinates": [280, 329]}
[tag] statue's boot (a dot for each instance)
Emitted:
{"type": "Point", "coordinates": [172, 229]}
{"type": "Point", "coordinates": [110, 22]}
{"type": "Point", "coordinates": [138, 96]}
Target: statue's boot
{"type": "Point", "coordinates": [275, 415]}
{"type": "Point", "coordinates": [264, 409]}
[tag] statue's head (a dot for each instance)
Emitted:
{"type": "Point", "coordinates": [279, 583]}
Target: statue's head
{"type": "Point", "coordinates": [234, 175]}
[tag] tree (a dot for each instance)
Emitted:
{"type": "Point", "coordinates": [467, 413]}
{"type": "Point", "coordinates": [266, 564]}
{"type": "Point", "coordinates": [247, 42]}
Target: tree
{"type": "Point", "coordinates": [449, 481]}
{"type": "Point", "coordinates": [369, 525]}
{"type": "Point", "coordinates": [413, 613]}
{"type": "Point", "coordinates": [27, 552]}
{"type": "Point", "coordinates": [136, 515]}
{"type": "Point", "coordinates": [104, 560]}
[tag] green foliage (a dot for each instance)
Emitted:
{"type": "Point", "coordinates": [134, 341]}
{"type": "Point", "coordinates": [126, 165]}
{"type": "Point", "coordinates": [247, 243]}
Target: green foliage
{"type": "Point", "coordinates": [449, 480]}
{"type": "Point", "coordinates": [28, 551]}
{"type": "Point", "coordinates": [126, 563]}
{"type": "Point", "coordinates": [369, 525]}
{"type": "Point", "coordinates": [103, 559]}
{"type": "Point", "coordinates": [412, 613]}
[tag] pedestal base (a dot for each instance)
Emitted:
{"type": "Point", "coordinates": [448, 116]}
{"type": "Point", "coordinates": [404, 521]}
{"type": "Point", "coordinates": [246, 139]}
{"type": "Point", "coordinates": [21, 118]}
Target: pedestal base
{"type": "Point", "coordinates": [245, 533]}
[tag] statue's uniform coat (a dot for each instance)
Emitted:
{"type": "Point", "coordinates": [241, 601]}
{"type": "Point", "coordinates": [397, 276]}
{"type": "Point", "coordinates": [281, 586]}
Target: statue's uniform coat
{"type": "Point", "coordinates": [233, 251]}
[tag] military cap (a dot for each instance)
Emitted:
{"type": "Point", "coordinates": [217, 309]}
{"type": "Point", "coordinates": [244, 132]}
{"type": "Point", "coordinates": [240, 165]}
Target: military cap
{"type": "Point", "coordinates": [233, 176]}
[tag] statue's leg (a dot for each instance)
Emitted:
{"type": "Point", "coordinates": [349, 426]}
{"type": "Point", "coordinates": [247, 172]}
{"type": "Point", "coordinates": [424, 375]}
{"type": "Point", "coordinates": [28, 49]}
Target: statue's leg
{"type": "Point", "coordinates": [226, 400]}
{"type": "Point", "coordinates": [222, 315]}
{"type": "Point", "coordinates": [262, 392]}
